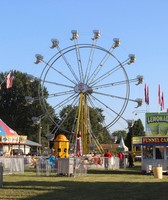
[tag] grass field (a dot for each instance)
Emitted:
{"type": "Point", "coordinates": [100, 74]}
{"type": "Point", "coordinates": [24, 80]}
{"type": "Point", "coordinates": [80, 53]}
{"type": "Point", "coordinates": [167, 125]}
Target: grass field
{"type": "Point", "coordinates": [123, 184]}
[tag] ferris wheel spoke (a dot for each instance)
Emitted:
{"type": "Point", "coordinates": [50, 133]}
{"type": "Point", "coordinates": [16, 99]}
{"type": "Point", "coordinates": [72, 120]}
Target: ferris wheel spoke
{"type": "Point", "coordinates": [118, 114]}
{"type": "Point", "coordinates": [79, 64]}
{"type": "Point", "coordinates": [65, 116]}
{"type": "Point", "coordinates": [110, 84]}
{"type": "Point", "coordinates": [65, 101]}
{"type": "Point", "coordinates": [58, 124]}
{"type": "Point", "coordinates": [96, 99]}
{"type": "Point", "coordinates": [124, 82]}
{"type": "Point", "coordinates": [60, 94]}
{"type": "Point", "coordinates": [102, 63]}
{"type": "Point", "coordinates": [55, 95]}
{"type": "Point", "coordinates": [58, 84]}
{"type": "Point", "coordinates": [59, 72]}
{"type": "Point", "coordinates": [98, 114]}
{"type": "Point", "coordinates": [68, 64]}
{"type": "Point", "coordinates": [107, 74]}
{"type": "Point", "coordinates": [90, 61]}
{"type": "Point", "coordinates": [75, 36]}
{"type": "Point", "coordinates": [109, 95]}
{"type": "Point", "coordinates": [117, 97]}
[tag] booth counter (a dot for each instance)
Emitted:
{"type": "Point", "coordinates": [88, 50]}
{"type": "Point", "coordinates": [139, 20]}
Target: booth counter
{"type": "Point", "coordinates": [154, 151]}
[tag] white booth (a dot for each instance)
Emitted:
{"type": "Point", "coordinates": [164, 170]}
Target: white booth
{"type": "Point", "coordinates": [154, 151]}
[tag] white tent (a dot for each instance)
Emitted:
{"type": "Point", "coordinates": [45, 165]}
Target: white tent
{"type": "Point", "coordinates": [121, 146]}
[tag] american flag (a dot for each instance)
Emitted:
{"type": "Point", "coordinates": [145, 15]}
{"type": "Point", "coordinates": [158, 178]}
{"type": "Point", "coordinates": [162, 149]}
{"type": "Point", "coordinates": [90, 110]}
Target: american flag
{"type": "Point", "coordinates": [9, 79]}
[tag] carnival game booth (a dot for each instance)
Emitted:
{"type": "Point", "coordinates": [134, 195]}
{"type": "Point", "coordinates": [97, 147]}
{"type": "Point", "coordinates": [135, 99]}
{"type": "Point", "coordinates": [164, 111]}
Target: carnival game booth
{"type": "Point", "coordinates": [9, 138]}
{"type": "Point", "coordinates": [154, 151]}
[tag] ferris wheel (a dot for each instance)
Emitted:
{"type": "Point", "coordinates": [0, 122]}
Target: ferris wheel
{"type": "Point", "coordinates": [86, 75]}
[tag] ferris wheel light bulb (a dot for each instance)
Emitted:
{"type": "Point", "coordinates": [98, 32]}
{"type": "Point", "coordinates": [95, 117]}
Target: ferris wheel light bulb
{"type": "Point", "coordinates": [130, 123]}
{"type": "Point", "coordinates": [139, 102]}
{"type": "Point", "coordinates": [140, 79]}
{"type": "Point", "coordinates": [31, 78]}
{"type": "Point", "coordinates": [29, 99]}
{"type": "Point", "coordinates": [36, 120]}
{"type": "Point", "coordinates": [132, 58]}
{"type": "Point", "coordinates": [75, 35]}
{"type": "Point", "coordinates": [39, 58]}
{"type": "Point", "coordinates": [55, 43]}
{"type": "Point", "coordinates": [96, 34]}
{"type": "Point", "coordinates": [117, 42]}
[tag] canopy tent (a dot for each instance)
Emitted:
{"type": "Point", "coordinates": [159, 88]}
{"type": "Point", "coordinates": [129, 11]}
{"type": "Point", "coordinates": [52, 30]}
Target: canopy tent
{"type": "Point", "coordinates": [6, 130]}
{"type": "Point", "coordinates": [121, 146]}
{"type": "Point", "coordinates": [31, 143]}
{"type": "Point", "coordinates": [10, 140]}
{"type": "Point", "coordinates": [9, 136]}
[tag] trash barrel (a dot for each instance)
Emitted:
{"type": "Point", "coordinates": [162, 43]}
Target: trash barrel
{"type": "Point", "coordinates": [157, 171]}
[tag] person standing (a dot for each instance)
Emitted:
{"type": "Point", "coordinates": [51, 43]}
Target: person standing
{"type": "Point", "coordinates": [130, 160]}
{"type": "Point", "coordinates": [107, 159]}
{"type": "Point", "coordinates": [121, 159]}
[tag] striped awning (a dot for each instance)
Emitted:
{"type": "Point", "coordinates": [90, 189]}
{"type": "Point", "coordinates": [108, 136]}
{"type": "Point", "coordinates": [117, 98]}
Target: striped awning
{"type": "Point", "coordinates": [5, 130]}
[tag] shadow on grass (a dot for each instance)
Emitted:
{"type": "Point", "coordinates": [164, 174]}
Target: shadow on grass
{"type": "Point", "coordinates": [77, 190]}
{"type": "Point", "coordinates": [134, 170]}
{"type": "Point", "coordinates": [88, 187]}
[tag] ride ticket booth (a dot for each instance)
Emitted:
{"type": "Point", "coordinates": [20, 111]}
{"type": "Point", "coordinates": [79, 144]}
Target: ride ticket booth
{"type": "Point", "coordinates": [154, 151]}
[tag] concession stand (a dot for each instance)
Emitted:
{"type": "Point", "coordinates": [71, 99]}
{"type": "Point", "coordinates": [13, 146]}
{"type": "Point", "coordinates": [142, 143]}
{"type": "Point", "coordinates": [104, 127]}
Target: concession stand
{"type": "Point", "coordinates": [8, 139]}
{"type": "Point", "coordinates": [154, 151]}
{"type": "Point", "coordinates": [154, 145]}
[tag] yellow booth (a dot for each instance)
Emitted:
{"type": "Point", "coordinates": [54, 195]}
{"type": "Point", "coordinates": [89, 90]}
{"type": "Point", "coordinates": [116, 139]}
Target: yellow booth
{"type": "Point", "coordinates": [61, 146]}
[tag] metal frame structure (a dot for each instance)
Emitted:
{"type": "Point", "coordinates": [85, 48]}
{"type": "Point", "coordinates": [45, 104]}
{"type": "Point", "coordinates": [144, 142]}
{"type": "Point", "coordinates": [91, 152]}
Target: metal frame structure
{"type": "Point", "coordinates": [86, 83]}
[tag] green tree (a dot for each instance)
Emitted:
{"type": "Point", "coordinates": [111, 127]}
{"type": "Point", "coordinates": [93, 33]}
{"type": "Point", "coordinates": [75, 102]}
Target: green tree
{"type": "Point", "coordinates": [136, 130]}
{"type": "Point", "coordinates": [96, 119]}
{"type": "Point", "coordinates": [13, 108]}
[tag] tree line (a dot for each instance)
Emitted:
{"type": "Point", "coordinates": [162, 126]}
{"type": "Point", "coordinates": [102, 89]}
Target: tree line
{"type": "Point", "coordinates": [17, 114]}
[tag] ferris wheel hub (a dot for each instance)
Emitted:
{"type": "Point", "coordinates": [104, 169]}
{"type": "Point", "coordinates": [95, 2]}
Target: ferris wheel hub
{"type": "Point", "coordinates": [82, 88]}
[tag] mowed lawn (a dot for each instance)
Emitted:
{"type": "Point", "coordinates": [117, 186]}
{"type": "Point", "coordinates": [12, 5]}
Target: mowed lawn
{"type": "Point", "coordinates": [123, 184]}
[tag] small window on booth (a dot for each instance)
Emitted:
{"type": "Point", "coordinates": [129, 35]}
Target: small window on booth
{"type": "Point", "coordinates": [147, 152]}
{"type": "Point", "coordinates": [59, 150]}
{"type": "Point", "coordinates": [159, 152]}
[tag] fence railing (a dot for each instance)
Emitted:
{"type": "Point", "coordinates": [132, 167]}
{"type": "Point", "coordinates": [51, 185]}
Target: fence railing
{"type": "Point", "coordinates": [75, 166]}
{"type": "Point", "coordinates": [61, 167]}
{"type": "Point", "coordinates": [12, 165]}
{"type": "Point", "coordinates": [103, 162]}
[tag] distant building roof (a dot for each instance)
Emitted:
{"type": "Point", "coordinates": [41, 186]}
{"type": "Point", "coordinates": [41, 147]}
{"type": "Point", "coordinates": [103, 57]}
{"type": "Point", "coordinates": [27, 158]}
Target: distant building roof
{"type": "Point", "coordinates": [31, 143]}
{"type": "Point", "coordinates": [109, 146]}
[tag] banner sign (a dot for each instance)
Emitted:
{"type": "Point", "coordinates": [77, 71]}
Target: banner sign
{"type": "Point", "coordinates": [137, 140]}
{"type": "Point", "coordinates": [150, 140]}
{"type": "Point", "coordinates": [157, 123]}
{"type": "Point", "coordinates": [13, 139]}
{"type": "Point", "coordinates": [155, 139]}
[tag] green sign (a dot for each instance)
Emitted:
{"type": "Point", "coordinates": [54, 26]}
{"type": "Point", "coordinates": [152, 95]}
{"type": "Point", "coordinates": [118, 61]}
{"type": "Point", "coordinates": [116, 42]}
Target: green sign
{"type": "Point", "coordinates": [157, 123]}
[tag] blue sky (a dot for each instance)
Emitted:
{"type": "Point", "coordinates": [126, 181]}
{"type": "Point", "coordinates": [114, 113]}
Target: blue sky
{"type": "Point", "coordinates": [27, 27]}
